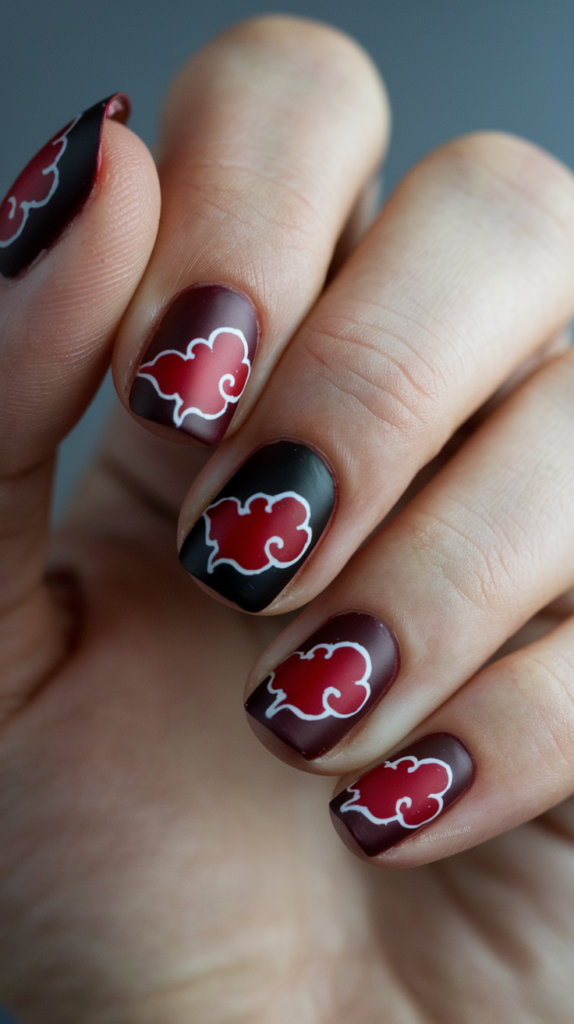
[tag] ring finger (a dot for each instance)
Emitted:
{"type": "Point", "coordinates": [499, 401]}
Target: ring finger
{"type": "Point", "coordinates": [477, 553]}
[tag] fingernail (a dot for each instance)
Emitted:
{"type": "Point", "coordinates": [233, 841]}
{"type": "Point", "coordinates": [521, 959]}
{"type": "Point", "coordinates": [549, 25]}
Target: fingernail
{"type": "Point", "coordinates": [403, 794]}
{"type": "Point", "coordinates": [262, 526]}
{"type": "Point", "coordinates": [52, 188]}
{"type": "Point", "coordinates": [323, 690]}
{"type": "Point", "coordinates": [197, 366]}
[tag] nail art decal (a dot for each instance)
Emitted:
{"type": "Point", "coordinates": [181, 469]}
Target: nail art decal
{"type": "Point", "coordinates": [34, 189]}
{"type": "Point", "coordinates": [216, 377]}
{"type": "Point", "coordinates": [296, 690]}
{"type": "Point", "coordinates": [406, 790]}
{"type": "Point", "coordinates": [321, 691]}
{"type": "Point", "coordinates": [262, 525]}
{"type": "Point", "coordinates": [198, 363]}
{"type": "Point", "coordinates": [267, 530]}
{"type": "Point", "coordinates": [52, 188]}
{"type": "Point", "coordinates": [401, 795]}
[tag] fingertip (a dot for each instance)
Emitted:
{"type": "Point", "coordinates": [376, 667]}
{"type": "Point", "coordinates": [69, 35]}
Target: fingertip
{"type": "Point", "coordinates": [324, 55]}
{"type": "Point", "coordinates": [62, 308]}
{"type": "Point", "coordinates": [129, 185]}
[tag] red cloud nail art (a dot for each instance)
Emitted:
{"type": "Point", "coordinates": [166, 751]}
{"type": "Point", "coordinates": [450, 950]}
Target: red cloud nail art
{"type": "Point", "coordinates": [329, 681]}
{"type": "Point", "coordinates": [268, 530]}
{"type": "Point", "coordinates": [318, 694]}
{"type": "Point", "coordinates": [34, 188]}
{"type": "Point", "coordinates": [206, 379]}
{"type": "Point", "coordinates": [409, 791]}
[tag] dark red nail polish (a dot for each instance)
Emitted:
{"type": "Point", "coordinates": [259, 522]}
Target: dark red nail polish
{"type": "Point", "coordinates": [198, 363]}
{"type": "Point", "coordinates": [404, 793]}
{"type": "Point", "coordinates": [52, 188]}
{"type": "Point", "coordinates": [325, 688]}
{"type": "Point", "coordinates": [262, 525]}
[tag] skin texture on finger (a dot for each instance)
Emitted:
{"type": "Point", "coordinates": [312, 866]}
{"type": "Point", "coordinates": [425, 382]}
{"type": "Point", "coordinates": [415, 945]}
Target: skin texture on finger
{"type": "Point", "coordinates": [270, 134]}
{"type": "Point", "coordinates": [468, 269]}
{"type": "Point", "coordinates": [557, 344]}
{"type": "Point", "coordinates": [483, 548]}
{"type": "Point", "coordinates": [57, 324]}
{"type": "Point", "coordinates": [516, 718]}
{"type": "Point", "coordinates": [503, 945]}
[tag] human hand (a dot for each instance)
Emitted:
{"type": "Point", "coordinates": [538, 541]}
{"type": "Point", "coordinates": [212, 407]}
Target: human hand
{"type": "Point", "coordinates": [156, 864]}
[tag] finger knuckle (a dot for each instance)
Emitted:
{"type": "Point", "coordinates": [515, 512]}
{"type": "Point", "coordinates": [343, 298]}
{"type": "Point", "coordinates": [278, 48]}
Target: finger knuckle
{"type": "Point", "coordinates": [382, 379]}
{"type": "Point", "coordinates": [253, 220]}
{"type": "Point", "coordinates": [543, 676]}
{"type": "Point", "coordinates": [530, 189]}
{"type": "Point", "coordinates": [468, 557]}
{"type": "Point", "coordinates": [312, 56]}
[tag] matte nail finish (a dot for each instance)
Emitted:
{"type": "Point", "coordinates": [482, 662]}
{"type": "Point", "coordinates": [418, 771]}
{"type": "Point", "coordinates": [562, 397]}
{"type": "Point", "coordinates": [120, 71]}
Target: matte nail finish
{"type": "Point", "coordinates": [404, 793]}
{"type": "Point", "coordinates": [198, 363]}
{"type": "Point", "coordinates": [321, 691]}
{"type": "Point", "coordinates": [52, 188]}
{"type": "Point", "coordinates": [262, 525]}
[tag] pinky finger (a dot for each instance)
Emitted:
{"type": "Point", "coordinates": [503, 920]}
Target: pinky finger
{"type": "Point", "coordinates": [494, 756]}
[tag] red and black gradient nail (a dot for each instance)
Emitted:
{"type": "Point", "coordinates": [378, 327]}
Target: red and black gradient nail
{"type": "Point", "coordinates": [401, 795]}
{"type": "Point", "coordinates": [262, 526]}
{"type": "Point", "coordinates": [53, 187]}
{"type": "Point", "coordinates": [197, 365]}
{"type": "Point", "coordinates": [325, 688]}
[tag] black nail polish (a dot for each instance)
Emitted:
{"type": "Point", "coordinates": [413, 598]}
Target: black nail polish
{"type": "Point", "coordinates": [401, 795]}
{"type": "Point", "coordinates": [262, 526]}
{"type": "Point", "coordinates": [325, 688]}
{"type": "Point", "coordinates": [198, 362]}
{"type": "Point", "coordinates": [52, 188]}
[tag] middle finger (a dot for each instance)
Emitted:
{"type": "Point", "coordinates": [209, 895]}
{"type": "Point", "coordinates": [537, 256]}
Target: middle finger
{"type": "Point", "coordinates": [469, 268]}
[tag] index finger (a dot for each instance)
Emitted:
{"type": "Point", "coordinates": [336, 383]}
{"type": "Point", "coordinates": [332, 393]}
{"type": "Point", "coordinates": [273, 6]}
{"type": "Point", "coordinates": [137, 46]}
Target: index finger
{"type": "Point", "coordinates": [270, 134]}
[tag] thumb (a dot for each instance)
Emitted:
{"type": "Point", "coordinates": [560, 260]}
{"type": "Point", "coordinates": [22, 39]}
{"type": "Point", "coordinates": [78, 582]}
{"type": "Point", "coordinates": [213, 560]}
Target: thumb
{"type": "Point", "coordinates": [76, 232]}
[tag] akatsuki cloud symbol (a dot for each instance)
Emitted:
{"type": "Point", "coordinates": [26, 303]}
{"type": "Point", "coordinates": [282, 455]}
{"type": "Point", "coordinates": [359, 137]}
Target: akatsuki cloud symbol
{"type": "Point", "coordinates": [268, 530]}
{"type": "Point", "coordinates": [406, 790]}
{"type": "Point", "coordinates": [33, 188]}
{"type": "Point", "coordinates": [211, 374]}
{"type": "Point", "coordinates": [329, 681]}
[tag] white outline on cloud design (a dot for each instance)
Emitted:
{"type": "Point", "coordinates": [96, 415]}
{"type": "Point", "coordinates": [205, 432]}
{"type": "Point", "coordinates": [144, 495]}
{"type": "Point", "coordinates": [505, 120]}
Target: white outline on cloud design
{"type": "Point", "coordinates": [33, 204]}
{"type": "Point", "coordinates": [178, 416]}
{"type": "Point", "coordinates": [329, 691]}
{"type": "Point", "coordinates": [403, 801]}
{"type": "Point", "coordinates": [245, 510]}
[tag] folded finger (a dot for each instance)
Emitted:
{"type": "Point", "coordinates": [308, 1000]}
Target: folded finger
{"type": "Point", "coordinates": [270, 135]}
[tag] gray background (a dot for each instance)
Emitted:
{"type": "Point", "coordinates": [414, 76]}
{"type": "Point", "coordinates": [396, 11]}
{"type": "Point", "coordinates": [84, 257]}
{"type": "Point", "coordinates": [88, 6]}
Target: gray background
{"type": "Point", "coordinates": [451, 66]}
